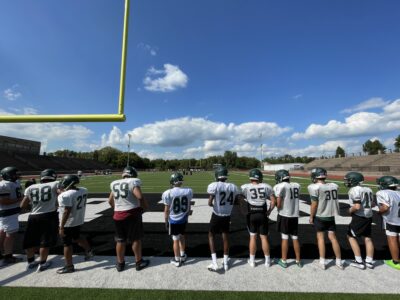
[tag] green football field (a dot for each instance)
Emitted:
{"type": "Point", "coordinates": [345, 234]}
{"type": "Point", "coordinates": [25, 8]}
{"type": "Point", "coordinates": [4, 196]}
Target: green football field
{"type": "Point", "coordinates": [71, 293]}
{"type": "Point", "coordinates": [158, 182]}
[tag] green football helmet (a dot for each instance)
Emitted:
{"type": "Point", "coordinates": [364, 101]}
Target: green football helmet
{"type": "Point", "coordinates": [318, 173]}
{"type": "Point", "coordinates": [255, 174]}
{"type": "Point", "coordinates": [10, 174]}
{"type": "Point", "coordinates": [48, 174]}
{"type": "Point", "coordinates": [129, 172]}
{"type": "Point", "coordinates": [353, 179]}
{"type": "Point", "coordinates": [69, 181]}
{"type": "Point", "coordinates": [176, 178]}
{"type": "Point", "coordinates": [282, 175]}
{"type": "Point", "coordinates": [221, 173]}
{"type": "Point", "coordinates": [387, 182]}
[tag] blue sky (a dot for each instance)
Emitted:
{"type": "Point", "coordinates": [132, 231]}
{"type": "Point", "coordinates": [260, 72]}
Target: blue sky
{"type": "Point", "coordinates": [300, 77]}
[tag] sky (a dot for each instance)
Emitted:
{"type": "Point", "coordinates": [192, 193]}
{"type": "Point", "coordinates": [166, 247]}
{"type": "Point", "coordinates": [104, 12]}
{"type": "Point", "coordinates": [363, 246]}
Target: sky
{"type": "Point", "coordinates": [204, 77]}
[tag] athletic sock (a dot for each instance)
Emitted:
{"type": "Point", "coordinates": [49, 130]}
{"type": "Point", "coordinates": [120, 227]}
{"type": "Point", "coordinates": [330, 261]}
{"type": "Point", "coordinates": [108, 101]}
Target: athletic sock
{"type": "Point", "coordinates": [322, 260]}
{"type": "Point", "coordinates": [358, 259]}
{"type": "Point", "coordinates": [214, 258]}
{"type": "Point", "coordinates": [252, 258]}
{"type": "Point", "coordinates": [369, 259]}
{"type": "Point", "coordinates": [267, 259]}
{"type": "Point", "coordinates": [226, 257]}
{"type": "Point", "coordinates": [338, 261]}
{"type": "Point", "coordinates": [182, 253]}
{"type": "Point", "coordinates": [177, 258]}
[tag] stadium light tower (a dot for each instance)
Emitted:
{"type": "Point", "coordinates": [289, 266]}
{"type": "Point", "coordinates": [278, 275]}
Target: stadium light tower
{"type": "Point", "coordinates": [129, 148]}
{"type": "Point", "coordinates": [261, 153]}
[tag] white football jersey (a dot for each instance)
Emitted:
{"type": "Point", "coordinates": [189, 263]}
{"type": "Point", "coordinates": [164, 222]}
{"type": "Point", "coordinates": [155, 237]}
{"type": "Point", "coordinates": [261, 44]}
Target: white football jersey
{"type": "Point", "coordinates": [11, 190]}
{"type": "Point", "coordinates": [224, 197]}
{"type": "Point", "coordinates": [289, 192]}
{"type": "Point", "coordinates": [391, 199]}
{"type": "Point", "coordinates": [364, 196]}
{"type": "Point", "coordinates": [76, 199]}
{"type": "Point", "coordinates": [257, 194]}
{"type": "Point", "coordinates": [122, 189]}
{"type": "Point", "coordinates": [327, 197]}
{"type": "Point", "coordinates": [43, 197]}
{"type": "Point", "coordinates": [178, 200]}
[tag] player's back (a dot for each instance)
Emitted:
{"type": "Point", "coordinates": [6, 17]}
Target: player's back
{"type": "Point", "coordinates": [76, 199]}
{"type": "Point", "coordinates": [364, 196]}
{"type": "Point", "coordinates": [224, 197]}
{"type": "Point", "coordinates": [178, 199]}
{"type": "Point", "coordinates": [256, 194]}
{"type": "Point", "coordinates": [12, 190]}
{"type": "Point", "coordinates": [122, 189]}
{"type": "Point", "coordinates": [327, 196]}
{"type": "Point", "coordinates": [289, 192]}
{"type": "Point", "coordinates": [43, 197]}
{"type": "Point", "coordinates": [391, 198]}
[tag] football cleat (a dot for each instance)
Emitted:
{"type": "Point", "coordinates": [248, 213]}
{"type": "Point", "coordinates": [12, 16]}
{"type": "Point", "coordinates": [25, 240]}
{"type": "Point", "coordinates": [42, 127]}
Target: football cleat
{"type": "Point", "coordinates": [141, 264]}
{"type": "Point", "coordinates": [299, 264]}
{"type": "Point", "coordinates": [66, 269]}
{"type": "Point", "coordinates": [358, 265]}
{"type": "Point", "coordinates": [43, 267]}
{"type": "Point", "coordinates": [183, 258]}
{"type": "Point", "coordinates": [282, 263]}
{"type": "Point", "coordinates": [89, 255]}
{"type": "Point", "coordinates": [176, 263]}
{"type": "Point", "coordinates": [370, 264]}
{"type": "Point", "coordinates": [392, 264]}
{"type": "Point", "coordinates": [32, 265]}
{"type": "Point", "coordinates": [251, 263]}
{"type": "Point", "coordinates": [340, 265]}
{"type": "Point", "coordinates": [120, 266]}
{"type": "Point", "coordinates": [213, 267]}
{"type": "Point", "coordinates": [322, 266]}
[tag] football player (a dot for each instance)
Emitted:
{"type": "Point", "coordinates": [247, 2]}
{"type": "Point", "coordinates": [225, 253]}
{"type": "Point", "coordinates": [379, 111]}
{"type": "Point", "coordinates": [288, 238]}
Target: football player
{"type": "Point", "coordinates": [361, 203]}
{"type": "Point", "coordinates": [222, 196]}
{"type": "Point", "coordinates": [176, 212]}
{"type": "Point", "coordinates": [287, 197]}
{"type": "Point", "coordinates": [10, 199]}
{"type": "Point", "coordinates": [256, 195]}
{"type": "Point", "coordinates": [127, 200]}
{"type": "Point", "coordinates": [42, 228]}
{"type": "Point", "coordinates": [72, 207]}
{"type": "Point", "coordinates": [389, 206]}
{"type": "Point", "coordinates": [324, 208]}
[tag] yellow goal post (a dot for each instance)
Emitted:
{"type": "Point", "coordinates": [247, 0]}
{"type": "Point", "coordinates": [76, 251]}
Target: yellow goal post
{"type": "Point", "coordinates": [119, 117]}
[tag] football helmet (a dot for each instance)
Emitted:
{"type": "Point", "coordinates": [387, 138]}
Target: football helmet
{"type": "Point", "coordinates": [129, 172]}
{"type": "Point", "coordinates": [318, 173]}
{"type": "Point", "coordinates": [221, 173]}
{"type": "Point", "coordinates": [353, 179]}
{"type": "Point", "coordinates": [69, 181]}
{"type": "Point", "coordinates": [10, 174]}
{"type": "Point", "coordinates": [387, 182]}
{"type": "Point", "coordinates": [255, 174]}
{"type": "Point", "coordinates": [281, 175]}
{"type": "Point", "coordinates": [176, 178]}
{"type": "Point", "coordinates": [48, 174]}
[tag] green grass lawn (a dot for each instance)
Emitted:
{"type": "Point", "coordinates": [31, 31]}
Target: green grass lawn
{"type": "Point", "coordinates": [158, 182]}
{"type": "Point", "coordinates": [71, 293]}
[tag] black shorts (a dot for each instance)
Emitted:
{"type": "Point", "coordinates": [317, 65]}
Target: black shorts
{"type": "Point", "coordinates": [177, 229]}
{"type": "Point", "coordinates": [219, 224]}
{"type": "Point", "coordinates": [359, 226]}
{"type": "Point", "coordinates": [287, 225]}
{"type": "Point", "coordinates": [71, 235]}
{"type": "Point", "coordinates": [321, 225]}
{"type": "Point", "coordinates": [129, 229]}
{"type": "Point", "coordinates": [41, 231]}
{"type": "Point", "coordinates": [257, 223]}
{"type": "Point", "coordinates": [392, 228]}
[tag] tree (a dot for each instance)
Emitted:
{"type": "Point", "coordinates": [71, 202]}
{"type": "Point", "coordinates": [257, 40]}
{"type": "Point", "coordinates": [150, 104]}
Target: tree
{"type": "Point", "coordinates": [373, 147]}
{"type": "Point", "coordinates": [397, 144]}
{"type": "Point", "coordinates": [340, 152]}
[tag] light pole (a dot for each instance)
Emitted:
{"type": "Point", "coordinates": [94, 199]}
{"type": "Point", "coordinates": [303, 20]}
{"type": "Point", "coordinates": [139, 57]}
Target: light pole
{"type": "Point", "coordinates": [261, 152]}
{"type": "Point", "coordinates": [129, 148]}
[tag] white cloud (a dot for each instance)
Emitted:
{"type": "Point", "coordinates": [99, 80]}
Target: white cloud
{"type": "Point", "coordinates": [167, 80]}
{"type": "Point", "coordinates": [150, 49]}
{"type": "Point", "coordinates": [297, 97]}
{"type": "Point", "coordinates": [368, 104]}
{"type": "Point", "coordinates": [12, 93]}
{"type": "Point", "coordinates": [44, 132]}
{"type": "Point", "coordinates": [358, 124]}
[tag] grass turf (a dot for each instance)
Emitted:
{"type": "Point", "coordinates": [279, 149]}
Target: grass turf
{"type": "Point", "coordinates": [158, 182]}
{"type": "Point", "coordinates": [72, 293]}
